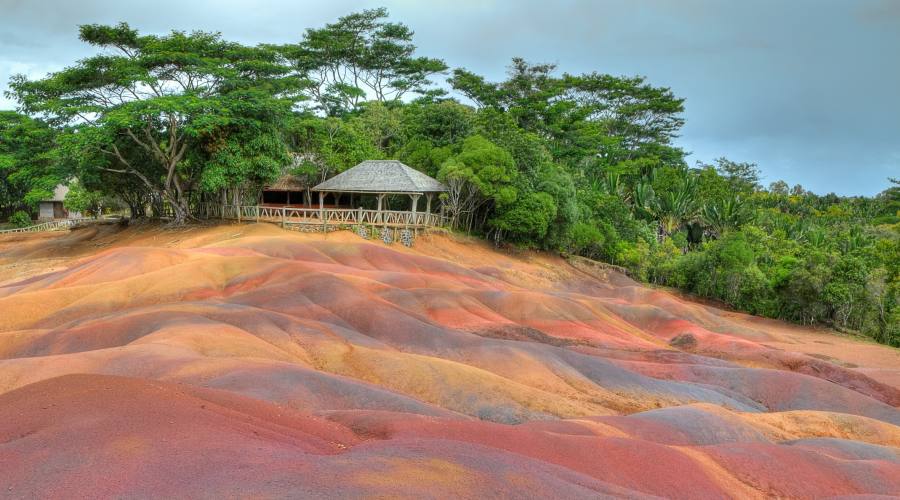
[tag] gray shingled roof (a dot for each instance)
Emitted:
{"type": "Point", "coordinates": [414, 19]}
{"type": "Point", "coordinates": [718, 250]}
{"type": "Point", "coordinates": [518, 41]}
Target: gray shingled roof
{"type": "Point", "coordinates": [381, 176]}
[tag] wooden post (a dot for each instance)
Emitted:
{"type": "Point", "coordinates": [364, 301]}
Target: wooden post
{"type": "Point", "coordinates": [322, 212]}
{"type": "Point", "coordinates": [428, 202]}
{"type": "Point", "coordinates": [415, 207]}
{"type": "Point", "coordinates": [378, 217]}
{"type": "Point", "coordinates": [359, 216]}
{"type": "Point", "coordinates": [257, 213]}
{"type": "Point", "coordinates": [283, 213]}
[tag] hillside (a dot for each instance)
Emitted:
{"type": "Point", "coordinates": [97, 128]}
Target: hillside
{"type": "Point", "coordinates": [238, 360]}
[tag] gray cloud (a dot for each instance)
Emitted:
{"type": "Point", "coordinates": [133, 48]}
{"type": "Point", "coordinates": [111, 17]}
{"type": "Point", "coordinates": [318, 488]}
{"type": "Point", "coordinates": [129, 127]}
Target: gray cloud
{"type": "Point", "coordinates": [807, 89]}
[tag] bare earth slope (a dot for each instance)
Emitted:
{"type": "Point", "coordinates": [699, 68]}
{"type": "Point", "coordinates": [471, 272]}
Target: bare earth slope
{"type": "Point", "coordinates": [249, 361]}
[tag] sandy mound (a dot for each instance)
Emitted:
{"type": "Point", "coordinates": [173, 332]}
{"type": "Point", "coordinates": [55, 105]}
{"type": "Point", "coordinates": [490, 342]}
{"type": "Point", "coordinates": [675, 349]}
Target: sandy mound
{"type": "Point", "coordinates": [232, 360]}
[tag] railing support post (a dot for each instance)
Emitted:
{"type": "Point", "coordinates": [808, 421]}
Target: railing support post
{"type": "Point", "coordinates": [415, 206]}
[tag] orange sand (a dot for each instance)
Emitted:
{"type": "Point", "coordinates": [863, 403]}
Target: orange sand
{"type": "Point", "coordinates": [243, 360]}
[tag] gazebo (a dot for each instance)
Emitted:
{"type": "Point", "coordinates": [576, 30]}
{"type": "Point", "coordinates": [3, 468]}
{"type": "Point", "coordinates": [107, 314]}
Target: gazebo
{"type": "Point", "coordinates": [381, 178]}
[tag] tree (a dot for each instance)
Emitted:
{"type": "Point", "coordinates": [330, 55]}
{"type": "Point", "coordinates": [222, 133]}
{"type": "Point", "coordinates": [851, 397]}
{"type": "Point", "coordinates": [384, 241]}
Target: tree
{"type": "Point", "coordinates": [527, 219]}
{"type": "Point", "coordinates": [179, 112]}
{"type": "Point", "coordinates": [326, 146]}
{"type": "Point", "coordinates": [360, 55]}
{"type": "Point", "coordinates": [480, 177]}
{"type": "Point", "coordinates": [741, 176]}
{"type": "Point", "coordinates": [441, 124]}
{"type": "Point", "coordinates": [588, 120]}
{"type": "Point", "coordinates": [30, 167]}
{"type": "Point", "coordinates": [675, 207]}
{"type": "Point", "coordinates": [80, 199]}
{"type": "Point", "coordinates": [779, 188]}
{"type": "Point", "coordinates": [889, 204]}
{"type": "Point", "coordinates": [726, 214]}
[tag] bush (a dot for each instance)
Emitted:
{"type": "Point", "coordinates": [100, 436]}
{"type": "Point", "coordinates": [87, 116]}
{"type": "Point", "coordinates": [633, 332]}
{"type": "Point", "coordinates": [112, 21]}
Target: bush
{"type": "Point", "coordinates": [587, 240]}
{"type": "Point", "coordinates": [528, 218]}
{"type": "Point", "coordinates": [20, 219]}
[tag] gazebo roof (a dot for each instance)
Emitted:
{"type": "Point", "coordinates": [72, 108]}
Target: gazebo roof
{"type": "Point", "coordinates": [381, 176]}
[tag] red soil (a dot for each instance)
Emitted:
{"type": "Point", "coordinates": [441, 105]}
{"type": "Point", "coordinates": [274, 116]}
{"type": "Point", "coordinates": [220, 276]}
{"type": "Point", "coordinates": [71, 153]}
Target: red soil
{"type": "Point", "coordinates": [247, 361]}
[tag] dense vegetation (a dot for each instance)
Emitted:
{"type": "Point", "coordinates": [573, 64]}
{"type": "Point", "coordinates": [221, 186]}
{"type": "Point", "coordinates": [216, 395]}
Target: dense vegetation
{"type": "Point", "coordinates": [585, 164]}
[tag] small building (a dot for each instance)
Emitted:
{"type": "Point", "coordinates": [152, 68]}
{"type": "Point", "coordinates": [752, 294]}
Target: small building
{"type": "Point", "coordinates": [288, 190]}
{"type": "Point", "coordinates": [54, 208]}
{"type": "Point", "coordinates": [380, 178]}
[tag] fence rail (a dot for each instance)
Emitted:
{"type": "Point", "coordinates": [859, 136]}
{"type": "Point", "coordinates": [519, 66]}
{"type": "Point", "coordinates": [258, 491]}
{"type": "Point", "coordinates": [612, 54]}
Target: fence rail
{"type": "Point", "coordinates": [325, 217]}
{"type": "Point", "coordinates": [53, 225]}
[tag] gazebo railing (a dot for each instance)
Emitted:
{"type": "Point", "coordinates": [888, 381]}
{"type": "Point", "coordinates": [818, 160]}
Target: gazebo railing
{"type": "Point", "coordinates": [322, 216]}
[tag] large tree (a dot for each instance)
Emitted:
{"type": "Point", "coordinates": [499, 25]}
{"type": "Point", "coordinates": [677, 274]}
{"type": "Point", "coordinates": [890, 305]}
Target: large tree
{"type": "Point", "coordinates": [591, 121]}
{"type": "Point", "coordinates": [180, 112]}
{"type": "Point", "coordinates": [360, 57]}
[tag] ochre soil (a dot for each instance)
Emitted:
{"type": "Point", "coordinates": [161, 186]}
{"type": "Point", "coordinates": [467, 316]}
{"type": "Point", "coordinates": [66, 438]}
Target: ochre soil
{"type": "Point", "coordinates": [246, 361]}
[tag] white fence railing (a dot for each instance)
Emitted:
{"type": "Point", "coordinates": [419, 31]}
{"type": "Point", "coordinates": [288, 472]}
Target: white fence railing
{"type": "Point", "coordinates": [325, 216]}
{"type": "Point", "coordinates": [53, 225]}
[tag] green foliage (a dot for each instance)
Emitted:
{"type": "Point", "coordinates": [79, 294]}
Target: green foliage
{"type": "Point", "coordinates": [528, 217]}
{"type": "Point", "coordinates": [167, 109]}
{"type": "Point", "coordinates": [80, 199]}
{"type": "Point", "coordinates": [587, 240]}
{"type": "Point", "coordinates": [359, 55]}
{"type": "Point", "coordinates": [725, 214]}
{"type": "Point", "coordinates": [742, 178]}
{"type": "Point", "coordinates": [30, 166]}
{"type": "Point", "coordinates": [582, 163]}
{"type": "Point", "coordinates": [676, 205]}
{"type": "Point", "coordinates": [20, 219]}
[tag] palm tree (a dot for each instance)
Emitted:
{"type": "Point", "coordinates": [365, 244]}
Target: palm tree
{"type": "Point", "coordinates": [676, 207]}
{"type": "Point", "coordinates": [725, 215]}
{"type": "Point", "coordinates": [644, 199]}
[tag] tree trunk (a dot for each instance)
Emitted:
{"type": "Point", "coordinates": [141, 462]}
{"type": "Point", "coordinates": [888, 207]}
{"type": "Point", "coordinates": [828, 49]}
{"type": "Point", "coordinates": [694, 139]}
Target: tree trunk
{"type": "Point", "coordinates": [137, 210]}
{"type": "Point", "coordinates": [180, 211]}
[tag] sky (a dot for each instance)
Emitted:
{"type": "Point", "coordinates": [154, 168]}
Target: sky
{"type": "Point", "coordinates": [807, 89]}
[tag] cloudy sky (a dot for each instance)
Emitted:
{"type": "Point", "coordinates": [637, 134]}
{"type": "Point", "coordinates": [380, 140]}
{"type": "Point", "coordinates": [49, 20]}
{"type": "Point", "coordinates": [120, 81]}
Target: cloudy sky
{"type": "Point", "coordinates": [807, 89]}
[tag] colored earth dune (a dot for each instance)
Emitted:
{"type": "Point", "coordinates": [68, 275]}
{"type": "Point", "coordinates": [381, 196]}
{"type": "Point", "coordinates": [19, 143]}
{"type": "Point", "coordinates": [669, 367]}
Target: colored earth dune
{"type": "Point", "coordinates": [245, 361]}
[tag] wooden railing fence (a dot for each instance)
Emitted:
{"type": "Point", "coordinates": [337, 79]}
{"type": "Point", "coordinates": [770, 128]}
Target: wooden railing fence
{"type": "Point", "coordinates": [53, 225]}
{"type": "Point", "coordinates": [325, 217]}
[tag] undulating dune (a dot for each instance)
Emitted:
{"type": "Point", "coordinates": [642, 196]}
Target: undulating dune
{"type": "Point", "coordinates": [243, 360]}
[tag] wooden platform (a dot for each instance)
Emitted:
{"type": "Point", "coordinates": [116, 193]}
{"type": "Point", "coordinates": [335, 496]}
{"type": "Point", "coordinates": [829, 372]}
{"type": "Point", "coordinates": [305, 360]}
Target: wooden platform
{"type": "Point", "coordinates": [327, 218]}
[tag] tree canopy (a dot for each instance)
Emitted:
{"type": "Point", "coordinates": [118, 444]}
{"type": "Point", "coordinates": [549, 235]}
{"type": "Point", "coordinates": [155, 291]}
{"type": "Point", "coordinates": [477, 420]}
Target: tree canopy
{"type": "Point", "coordinates": [585, 164]}
{"type": "Point", "coordinates": [179, 112]}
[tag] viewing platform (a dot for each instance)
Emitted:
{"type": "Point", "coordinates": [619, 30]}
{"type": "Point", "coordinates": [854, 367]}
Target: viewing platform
{"type": "Point", "coordinates": [372, 178]}
{"type": "Point", "coordinates": [326, 219]}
